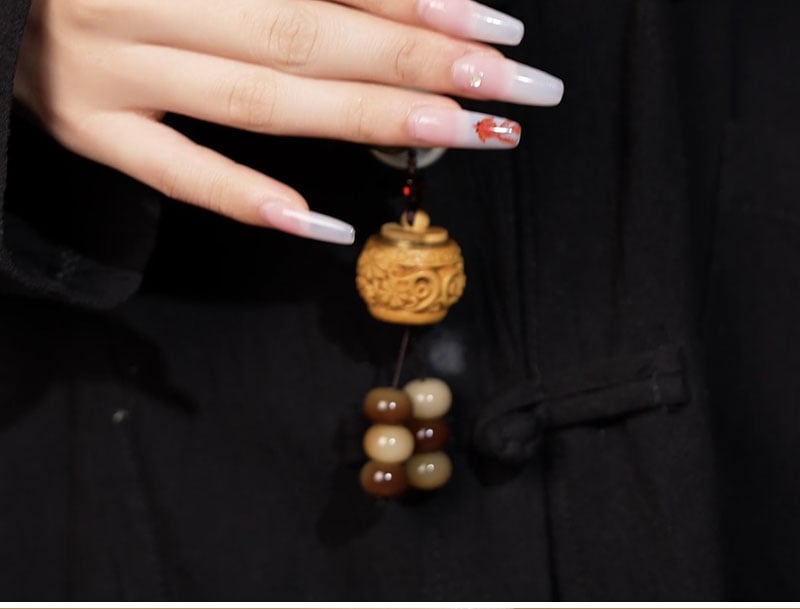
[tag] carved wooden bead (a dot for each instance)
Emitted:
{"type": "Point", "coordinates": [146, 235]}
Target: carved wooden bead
{"type": "Point", "coordinates": [430, 435]}
{"type": "Point", "coordinates": [383, 479]}
{"type": "Point", "coordinates": [387, 405]}
{"type": "Point", "coordinates": [410, 274]}
{"type": "Point", "coordinates": [388, 443]}
{"type": "Point", "coordinates": [428, 471]}
{"type": "Point", "coordinates": [430, 398]}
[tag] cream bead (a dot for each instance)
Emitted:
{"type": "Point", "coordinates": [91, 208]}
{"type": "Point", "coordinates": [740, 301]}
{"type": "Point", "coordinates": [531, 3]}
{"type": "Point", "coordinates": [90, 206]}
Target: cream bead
{"type": "Point", "coordinates": [388, 443]}
{"type": "Point", "coordinates": [428, 471]}
{"type": "Point", "coordinates": [431, 398]}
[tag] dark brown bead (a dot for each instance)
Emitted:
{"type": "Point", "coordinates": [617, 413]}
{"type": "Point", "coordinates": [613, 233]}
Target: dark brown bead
{"type": "Point", "coordinates": [383, 479]}
{"type": "Point", "coordinates": [430, 435]}
{"type": "Point", "coordinates": [387, 405]}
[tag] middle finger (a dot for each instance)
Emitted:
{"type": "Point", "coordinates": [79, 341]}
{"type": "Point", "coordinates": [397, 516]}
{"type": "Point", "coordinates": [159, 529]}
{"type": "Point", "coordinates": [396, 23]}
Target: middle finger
{"type": "Point", "coordinates": [324, 40]}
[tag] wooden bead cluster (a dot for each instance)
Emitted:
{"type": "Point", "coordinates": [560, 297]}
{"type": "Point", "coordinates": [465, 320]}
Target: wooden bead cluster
{"type": "Point", "coordinates": [406, 439]}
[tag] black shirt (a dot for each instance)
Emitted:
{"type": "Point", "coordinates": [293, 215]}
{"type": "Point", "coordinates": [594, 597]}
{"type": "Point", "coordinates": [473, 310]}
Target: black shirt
{"type": "Point", "coordinates": [179, 394]}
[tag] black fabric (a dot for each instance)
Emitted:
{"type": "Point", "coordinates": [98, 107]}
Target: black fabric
{"type": "Point", "coordinates": [180, 420]}
{"type": "Point", "coordinates": [512, 425]}
{"type": "Point", "coordinates": [91, 252]}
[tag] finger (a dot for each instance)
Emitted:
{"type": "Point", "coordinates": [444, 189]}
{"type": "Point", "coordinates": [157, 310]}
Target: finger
{"type": "Point", "coordinates": [265, 101]}
{"type": "Point", "coordinates": [325, 40]}
{"type": "Point", "coordinates": [462, 18]}
{"type": "Point", "coordinates": [159, 156]}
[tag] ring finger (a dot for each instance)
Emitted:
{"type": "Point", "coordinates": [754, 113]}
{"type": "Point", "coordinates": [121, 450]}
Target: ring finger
{"type": "Point", "coordinates": [263, 100]}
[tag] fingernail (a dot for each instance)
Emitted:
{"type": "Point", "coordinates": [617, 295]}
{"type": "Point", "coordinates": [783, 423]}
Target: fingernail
{"type": "Point", "coordinates": [471, 20]}
{"type": "Point", "coordinates": [455, 128]}
{"type": "Point", "coordinates": [499, 78]}
{"type": "Point", "coordinates": [309, 224]}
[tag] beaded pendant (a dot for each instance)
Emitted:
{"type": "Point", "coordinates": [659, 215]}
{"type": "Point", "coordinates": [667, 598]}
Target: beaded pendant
{"type": "Point", "coordinates": [410, 274]}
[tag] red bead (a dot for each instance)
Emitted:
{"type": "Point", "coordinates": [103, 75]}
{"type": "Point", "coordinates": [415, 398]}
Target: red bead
{"type": "Point", "coordinates": [429, 436]}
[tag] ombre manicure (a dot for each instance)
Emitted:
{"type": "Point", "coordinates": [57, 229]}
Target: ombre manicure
{"type": "Point", "coordinates": [309, 224]}
{"type": "Point", "coordinates": [471, 20]}
{"type": "Point", "coordinates": [494, 77]}
{"type": "Point", "coordinates": [456, 128]}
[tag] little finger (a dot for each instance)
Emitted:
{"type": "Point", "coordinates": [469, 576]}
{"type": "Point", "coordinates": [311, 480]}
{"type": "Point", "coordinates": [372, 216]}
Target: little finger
{"type": "Point", "coordinates": [164, 159]}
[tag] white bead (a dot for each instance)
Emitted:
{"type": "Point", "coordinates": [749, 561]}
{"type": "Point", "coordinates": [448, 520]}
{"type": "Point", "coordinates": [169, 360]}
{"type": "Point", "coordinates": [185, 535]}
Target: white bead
{"type": "Point", "coordinates": [431, 397]}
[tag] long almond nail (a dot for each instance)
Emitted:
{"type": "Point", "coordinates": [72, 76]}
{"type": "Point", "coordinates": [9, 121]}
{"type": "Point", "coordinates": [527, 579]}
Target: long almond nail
{"type": "Point", "coordinates": [308, 224]}
{"type": "Point", "coordinates": [455, 128]}
{"type": "Point", "coordinates": [498, 78]}
{"type": "Point", "coordinates": [471, 20]}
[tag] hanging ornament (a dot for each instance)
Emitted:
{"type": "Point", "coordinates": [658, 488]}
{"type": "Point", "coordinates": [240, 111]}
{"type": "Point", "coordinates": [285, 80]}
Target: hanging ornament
{"type": "Point", "coordinates": [410, 273]}
{"type": "Point", "coordinates": [405, 443]}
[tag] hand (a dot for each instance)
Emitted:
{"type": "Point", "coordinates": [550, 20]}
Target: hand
{"type": "Point", "coordinates": [101, 74]}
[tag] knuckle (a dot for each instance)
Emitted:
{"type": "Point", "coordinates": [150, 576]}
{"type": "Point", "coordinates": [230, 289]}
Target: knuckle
{"type": "Point", "coordinates": [168, 182]}
{"type": "Point", "coordinates": [174, 183]}
{"type": "Point", "coordinates": [250, 101]}
{"type": "Point", "coordinates": [407, 66]}
{"type": "Point", "coordinates": [216, 196]}
{"type": "Point", "coordinates": [292, 37]}
{"type": "Point", "coordinates": [372, 6]}
{"type": "Point", "coordinates": [70, 127]}
{"type": "Point", "coordinates": [91, 13]}
{"type": "Point", "coordinates": [360, 121]}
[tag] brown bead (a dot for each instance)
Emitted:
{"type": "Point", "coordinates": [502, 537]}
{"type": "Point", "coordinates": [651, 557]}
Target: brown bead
{"type": "Point", "coordinates": [383, 479]}
{"type": "Point", "coordinates": [387, 405]}
{"type": "Point", "coordinates": [428, 471]}
{"type": "Point", "coordinates": [429, 436]}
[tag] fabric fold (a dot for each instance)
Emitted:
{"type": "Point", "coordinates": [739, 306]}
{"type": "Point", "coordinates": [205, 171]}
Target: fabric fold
{"type": "Point", "coordinates": [511, 427]}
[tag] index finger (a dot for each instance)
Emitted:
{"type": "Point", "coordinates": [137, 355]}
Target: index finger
{"type": "Point", "coordinates": [461, 18]}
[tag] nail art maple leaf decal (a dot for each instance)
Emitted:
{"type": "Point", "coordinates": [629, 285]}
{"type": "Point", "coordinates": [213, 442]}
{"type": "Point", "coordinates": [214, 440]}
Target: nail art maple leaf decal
{"type": "Point", "coordinates": [506, 132]}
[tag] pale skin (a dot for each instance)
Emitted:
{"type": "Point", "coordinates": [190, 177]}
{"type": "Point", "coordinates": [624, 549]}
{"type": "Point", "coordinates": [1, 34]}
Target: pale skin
{"type": "Point", "coordinates": [100, 75]}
